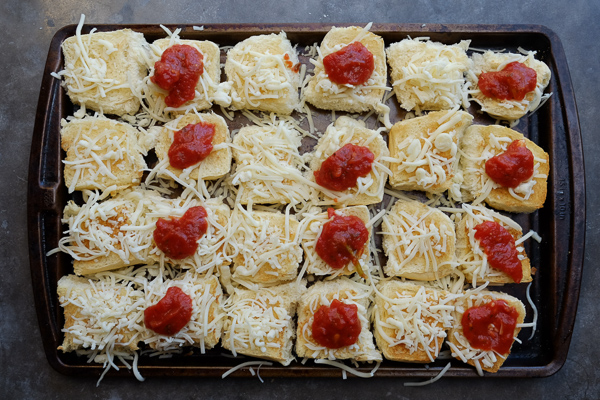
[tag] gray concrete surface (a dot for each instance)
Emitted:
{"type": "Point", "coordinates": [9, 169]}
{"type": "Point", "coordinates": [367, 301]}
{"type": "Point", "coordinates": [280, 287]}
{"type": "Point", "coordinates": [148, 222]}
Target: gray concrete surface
{"type": "Point", "coordinates": [26, 28]}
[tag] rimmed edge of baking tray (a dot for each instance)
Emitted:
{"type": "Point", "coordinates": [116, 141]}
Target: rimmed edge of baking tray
{"type": "Point", "coordinates": [568, 203]}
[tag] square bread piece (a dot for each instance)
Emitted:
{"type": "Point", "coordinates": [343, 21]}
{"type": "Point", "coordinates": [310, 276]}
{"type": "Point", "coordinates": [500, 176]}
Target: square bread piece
{"type": "Point", "coordinates": [265, 247]}
{"type": "Point", "coordinates": [206, 324]}
{"type": "Point", "coordinates": [313, 226]}
{"type": "Point", "coordinates": [369, 189]}
{"type": "Point", "coordinates": [261, 323]}
{"type": "Point", "coordinates": [471, 257]}
{"type": "Point", "coordinates": [102, 68]}
{"type": "Point", "coordinates": [100, 315]}
{"type": "Point", "coordinates": [507, 109]}
{"type": "Point", "coordinates": [426, 150]}
{"type": "Point", "coordinates": [479, 144]}
{"type": "Point", "coordinates": [411, 321]}
{"type": "Point", "coordinates": [419, 241]}
{"type": "Point", "coordinates": [210, 254]}
{"type": "Point", "coordinates": [268, 165]}
{"type": "Point", "coordinates": [101, 153]}
{"type": "Point", "coordinates": [462, 350]}
{"type": "Point", "coordinates": [98, 238]}
{"type": "Point", "coordinates": [263, 71]}
{"type": "Point", "coordinates": [325, 94]}
{"type": "Point", "coordinates": [214, 166]}
{"type": "Point", "coordinates": [429, 75]}
{"type": "Point", "coordinates": [208, 88]}
{"type": "Point", "coordinates": [322, 294]}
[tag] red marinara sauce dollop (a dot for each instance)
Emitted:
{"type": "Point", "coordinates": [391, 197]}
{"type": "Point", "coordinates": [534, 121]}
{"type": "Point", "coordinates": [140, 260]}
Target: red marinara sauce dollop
{"type": "Point", "coordinates": [499, 247]}
{"type": "Point", "coordinates": [170, 314]}
{"type": "Point", "coordinates": [341, 170]}
{"type": "Point", "coordinates": [191, 145]}
{"type": "Point", "coordinates": [178, 237]}
{"type": "Point", "coordinates": [511, 167]}
{"type": "Point", "coordinates": [351, 65]}
{"type": "Point", "coordinates": [490, 326]}
{"type": "Point", "coordinates": [512, 83]}
{"type": "Point", "coordinates": [336, 325]}
{"type": "Point", "coordinates": [342, 240]}
{"type": "Point", "coordinates": [178, 71]}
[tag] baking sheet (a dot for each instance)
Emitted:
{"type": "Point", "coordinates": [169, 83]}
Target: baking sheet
{"type": "Point", "coordinates": [561, 223]}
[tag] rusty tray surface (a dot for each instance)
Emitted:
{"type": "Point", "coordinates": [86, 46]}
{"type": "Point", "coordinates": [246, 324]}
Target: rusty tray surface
{"type": "Point", "coordinates": [561, 223]}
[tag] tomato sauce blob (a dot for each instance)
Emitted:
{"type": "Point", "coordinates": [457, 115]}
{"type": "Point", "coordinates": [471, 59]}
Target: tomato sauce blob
{"type": "Point", "coordinates": [289, 64]}
{"type": "Point", "coordinates": [512, 83]}
{"type": "Point", "coordinates": [499, 247]}
{"type": "Point", "coordinates": [178, 71]}
{"type": "Point", "coordinates": [170, 314]}
{"type": "Point", "coordinates": [512, 167]}
{"type": "Point", "coordinates": [351, 65]}
{"type": "Point", "coordinates": [191, 145]}
{"type": "Point", "coordinates": [342, 240]}
{"type": "Point", "coordinates": [178, 237]}
{"type": "Point", "coordinates": [336, 325]}
{"type": "Point", "coordinates": [341, 170]}
{"type": "Point", "coordinates": [490, 326]}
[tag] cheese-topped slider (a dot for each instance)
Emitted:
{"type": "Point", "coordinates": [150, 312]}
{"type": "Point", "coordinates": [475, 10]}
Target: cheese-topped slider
{"type": "Point", "coordinates": [350, 71]}
{"type": "Point", "coordinates": [333, 322]}
{"type": "Point", "coordinates": [265, 247]}
{"type": "Point", "coordinates": [104, 70]}
{"type": "Point", "coordinates": [411, 321]}
{"type": "Point", "coordinates": [264, 74]}
{"type": "Point", "coordinates": [184, 311]}
{"type": "Point", "coordinates": [429, 75]}
{"type": "Point", "coordinates": [486, 325]}
{"type": "Point", "coordinates": [196, 85]}
{"type": "Point", "coordinates": [336, 242]}
{"type": "Point", "coordinates": [100, 314]}
{"type": "Point", "coordinates": [349, 164]}
{"type": "Point", "coordinates": [260, 323]}
{"type": "Point", "coordinates": [489, 247]}
{"type": "Point", "coordinates": [419, 241]}
{"type": "Point", "coordinates": [425, 150]}
{"type": "Point", "coordinates": [503, 168]}
{"type": "Point", "coordinates": [268, 165]}
{"type": "Point", "coordinates": [101, 153]}
{"type": "Point", "coordinates": [508, 85]}
{"type": "Point", "coordinates": [194, 146]}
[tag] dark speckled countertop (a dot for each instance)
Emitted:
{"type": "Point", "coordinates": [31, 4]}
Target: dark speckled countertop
{"type": "Point", "coordinates": [26, 29]}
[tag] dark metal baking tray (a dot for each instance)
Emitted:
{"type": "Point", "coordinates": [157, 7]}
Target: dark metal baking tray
{"type": "Point", "coordinates": [561, 223]}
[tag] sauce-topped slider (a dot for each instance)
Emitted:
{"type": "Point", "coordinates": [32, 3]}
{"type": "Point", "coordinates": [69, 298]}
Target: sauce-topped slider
{"type": "Point", "coordinates": [102, 153]}
{"type": "Point", "coordinates": [503, 168]}
{"type": "Point", "coordinates": [419, 241]}
{"type": "Point", "coordinates": [429, 75]}
{"type": "Point", "coordinates": [184, 76]}
{"type": "Point", "coordinates": [264, 74]}
{"type": "Point", "coordinates": [333, 322]}
{"type": "Point", "coordinates": [508, 85]}
{"type": "Point", "coordinates": [260, 323]}
{"type": "Point", "coordinates": [336, 242]}
{"type": "Point", "coordinates": [349, 164]}
{"type": "Point", "coordinates": [425, 151]}
{"type": "Point", "coordinates": [103, 71]}
{"type": "Point", "coordinates": [194, 146]}
{"type": "Point", "coordinates": [350, 71]}
{"type": "Point", "coordinates": [489, 247]}
{"type": "Point", "coordinates": [486, 325]}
